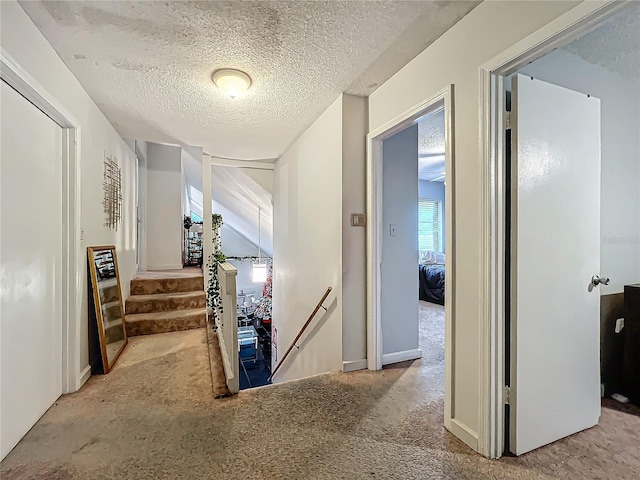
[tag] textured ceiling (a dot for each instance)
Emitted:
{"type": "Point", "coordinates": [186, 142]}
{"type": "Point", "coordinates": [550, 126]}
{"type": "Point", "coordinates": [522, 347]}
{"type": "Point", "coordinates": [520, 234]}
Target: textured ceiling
{"type": "Point", "coordinates": [614, 45]}
{"type": "Point", "coordinates": [431, 138]}
{"type": "Point", "coordinates": [148, 64]}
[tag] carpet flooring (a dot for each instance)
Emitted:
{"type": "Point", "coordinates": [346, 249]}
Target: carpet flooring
{"type": "Point", "coordinates": [155, 417]}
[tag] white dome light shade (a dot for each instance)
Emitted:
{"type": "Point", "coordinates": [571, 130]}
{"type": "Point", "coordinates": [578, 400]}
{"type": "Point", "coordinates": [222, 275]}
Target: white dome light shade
{"type": "Point", "coordinates": [232, 82]}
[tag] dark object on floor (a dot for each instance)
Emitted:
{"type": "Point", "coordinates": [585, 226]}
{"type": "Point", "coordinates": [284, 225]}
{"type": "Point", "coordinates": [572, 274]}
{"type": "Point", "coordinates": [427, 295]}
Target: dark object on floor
{"type": "Point", "coordinates": [431, 283]}
{"type": "Point", "coordinates": [255, 365]}
{"type": "Point", "coordinates": [254, 372]}
{"type": "Point", "coordinates": [631, 367]}
{"type": "Point", "coordinates": [611, 343]}
{"type": "Point", "coordinates": [629, 408]}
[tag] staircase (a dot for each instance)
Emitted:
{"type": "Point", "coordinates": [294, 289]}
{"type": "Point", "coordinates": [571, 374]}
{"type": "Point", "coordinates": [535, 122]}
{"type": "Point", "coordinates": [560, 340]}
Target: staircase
{"type": "Point", "coordinates": [166, 301]}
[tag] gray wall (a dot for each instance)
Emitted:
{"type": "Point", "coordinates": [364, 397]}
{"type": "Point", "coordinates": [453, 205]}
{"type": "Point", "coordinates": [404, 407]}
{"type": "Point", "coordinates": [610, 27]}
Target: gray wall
{"type": "Point", "coordinates": [164, 207]}
{"type": "Point", "coordinates": [354, 242]}
{"type": "Point", "coordinates": [399, 286]}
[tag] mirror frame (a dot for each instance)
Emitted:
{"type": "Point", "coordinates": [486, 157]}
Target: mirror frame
{"type": "Point", "coordinates": [106, 366]}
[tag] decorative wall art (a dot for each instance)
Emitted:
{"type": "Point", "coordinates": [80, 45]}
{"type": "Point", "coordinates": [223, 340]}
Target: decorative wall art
{"type": "Point", "coordinates": [112, 185]}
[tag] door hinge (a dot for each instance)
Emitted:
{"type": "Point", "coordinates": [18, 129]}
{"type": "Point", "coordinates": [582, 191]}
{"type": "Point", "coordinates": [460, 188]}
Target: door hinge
{"type": "Point", "coordinates": [507, 121]}
{"type": "Point", "coordinates": [507, 395]}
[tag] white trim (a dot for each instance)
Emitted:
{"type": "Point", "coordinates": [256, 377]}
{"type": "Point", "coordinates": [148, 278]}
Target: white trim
{"type": "Point", "coordinates": [389, 358]}
{"type": "Point", "coordinates": [374, 233]}
{"type": "Point", "coordinates": [353, 365]}
{"type": "Point", "coordinates": [72, 255]}
{"type": "Point", "coordinates": [207, 211]}
{"type": "Point", "coordinates": [85, 374]}
{"type": "Point", "coordinates": [560, 31]}
{"type": "Point", "coordinates": [464, 433]}
{"type": "Point", "coordinates": [175, 266]}
{"type": "Point", "coordinates": [225, 162]}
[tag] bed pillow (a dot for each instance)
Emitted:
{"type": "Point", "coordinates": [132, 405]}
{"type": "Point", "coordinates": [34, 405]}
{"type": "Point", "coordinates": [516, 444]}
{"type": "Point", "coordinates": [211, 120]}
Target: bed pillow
{"type": "Point", "coordinates": [430, 257]}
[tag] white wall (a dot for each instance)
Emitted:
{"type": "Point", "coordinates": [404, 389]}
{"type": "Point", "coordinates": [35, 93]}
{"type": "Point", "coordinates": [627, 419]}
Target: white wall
{"type": "Point", "coordinates": [399, 268]}
{"type": "Point", "coordinates": [184, 200]}
{"type": "Point", "coordinates": [142, 154]}
{"type": "Point", "coordinates": [435, 190]}
{"type": "Point", "coordinates": [307, 252]}
{"type": "Point", "coordinates": [354, 241]}
{"type": "Point", "coordinates": [25, 44]}
{"type": "Point", "coordinates": [164, 207]}
{"type": "Point", "coordinates": [235, 245]}
{"type": "Point", "coordinates": [620, 181]}
{"type": "Point", "coordinates": [264, 178]}
{"type": "Point", "coordinates": [192, 176]}
{"type": "Point", "coordinates": [455, 58]}
{"type": "Point", "coordinates": [239, 198]}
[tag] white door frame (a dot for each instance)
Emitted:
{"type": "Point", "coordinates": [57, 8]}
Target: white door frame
{"type": "Point", "coordinates": [73, 258]}
{"type": "Point", "coordinates": [556, 33]}
{"type": "Point", "coordinates": [375, 229]}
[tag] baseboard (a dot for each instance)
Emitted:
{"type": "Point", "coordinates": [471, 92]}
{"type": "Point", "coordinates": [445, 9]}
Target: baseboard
{"type": "Point", "coordinates": [353, 365]}
{"type": "Point", "coordinates": [84, 376]}
{"type": "Point", "coordinates": [464, 433]}
{"type": "Point", "coordinates": [165, 267]}
{"type": "Point", "coordinates": [396, 357]}
{"type": "Point", "coordinates": [296, 379]}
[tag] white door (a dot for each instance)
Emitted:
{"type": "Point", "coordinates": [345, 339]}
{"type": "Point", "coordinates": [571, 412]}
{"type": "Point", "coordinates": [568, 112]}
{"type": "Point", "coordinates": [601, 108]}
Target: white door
{"type": "Point", "coordinates": [30, 266]}
{"type": "Point", "coordinates": [555, 369]}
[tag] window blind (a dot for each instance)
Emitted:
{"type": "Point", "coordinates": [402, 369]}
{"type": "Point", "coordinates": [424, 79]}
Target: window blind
{"type": "Point", "coordinates": [429, 224]}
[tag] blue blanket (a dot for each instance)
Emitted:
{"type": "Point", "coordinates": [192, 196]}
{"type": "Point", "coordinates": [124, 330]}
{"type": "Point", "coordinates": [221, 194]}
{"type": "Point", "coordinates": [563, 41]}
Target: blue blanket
{"type": "Point", "coordinates": [431, 283]}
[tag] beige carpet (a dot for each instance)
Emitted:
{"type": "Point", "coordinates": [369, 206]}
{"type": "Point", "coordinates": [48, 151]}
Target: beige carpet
{"type": "Point", "coordinates": [154, 417]}
{"type": "Point", "coordinates": [218, 378]}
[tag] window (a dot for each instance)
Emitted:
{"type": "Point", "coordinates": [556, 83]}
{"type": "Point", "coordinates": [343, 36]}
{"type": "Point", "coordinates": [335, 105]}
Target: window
{"type": "Point", "coordinates": [430, 224]}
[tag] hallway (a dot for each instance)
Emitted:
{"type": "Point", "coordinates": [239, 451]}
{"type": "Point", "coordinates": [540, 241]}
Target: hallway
{"type": "Point", "coordinates": [154, 416]}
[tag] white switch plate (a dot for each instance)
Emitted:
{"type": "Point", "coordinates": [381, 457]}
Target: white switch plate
{"type": "Point", "coordinates": [619, 325]}
{"type": "Point", "coordinates": [392, 230]}
{"type": "Point", "coordinates": [358, 219]}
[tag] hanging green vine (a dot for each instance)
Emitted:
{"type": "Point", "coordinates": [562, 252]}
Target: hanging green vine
{"type": "Point", "coordinates": [214, 295]}
{"type": "Point", "coordinates": [247, 258]}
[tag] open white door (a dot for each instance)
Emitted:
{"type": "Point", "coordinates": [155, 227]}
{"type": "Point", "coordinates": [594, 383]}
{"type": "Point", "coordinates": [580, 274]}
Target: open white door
{"type": "Point", "coordinates": [555, 357]}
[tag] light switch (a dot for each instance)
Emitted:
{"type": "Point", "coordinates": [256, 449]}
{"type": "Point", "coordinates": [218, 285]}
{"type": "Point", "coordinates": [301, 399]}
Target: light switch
{"type": "Point", "coordinates": [619, 325]}
{"type": "Point", "coordinates": [358, 219]}
{"type": "Point", "coordinates": [392, 230]}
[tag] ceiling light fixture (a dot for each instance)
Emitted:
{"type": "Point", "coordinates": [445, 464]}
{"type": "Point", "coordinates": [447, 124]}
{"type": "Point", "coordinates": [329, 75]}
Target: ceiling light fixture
{"type": "Point", "coordinates": [232, 82]}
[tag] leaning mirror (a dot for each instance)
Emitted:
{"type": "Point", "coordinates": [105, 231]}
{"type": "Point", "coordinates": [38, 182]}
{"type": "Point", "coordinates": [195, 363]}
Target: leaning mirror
{"type": "Point", "coordinates": [107, 298]}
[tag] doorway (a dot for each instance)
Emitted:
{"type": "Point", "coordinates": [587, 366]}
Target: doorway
{"type": "Point", "coordinates": [32, 315]}
{"type": "Point", "coordinates": [567, 263]}
{"type": "Point", "coordinates": [395, 217]}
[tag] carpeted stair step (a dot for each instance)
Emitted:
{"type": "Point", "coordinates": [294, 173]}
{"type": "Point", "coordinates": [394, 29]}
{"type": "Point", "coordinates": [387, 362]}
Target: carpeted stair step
{"type": "Point", "coordinates": [163, 302]}
{"type": "Point", "coordinates": [166, 284]}
{"type": "Point", "coordinates": [162, 322]}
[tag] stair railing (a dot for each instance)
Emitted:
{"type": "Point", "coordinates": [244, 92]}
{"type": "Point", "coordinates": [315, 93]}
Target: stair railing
{"type": "Point", "coordinates": [227, 324]}
{"type": "Point", "coordinates": [304, 327]}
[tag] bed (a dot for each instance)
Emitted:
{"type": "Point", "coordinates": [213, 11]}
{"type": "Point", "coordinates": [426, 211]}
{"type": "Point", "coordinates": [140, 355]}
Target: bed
{"type": "Point", "coordinates": [431, 278]}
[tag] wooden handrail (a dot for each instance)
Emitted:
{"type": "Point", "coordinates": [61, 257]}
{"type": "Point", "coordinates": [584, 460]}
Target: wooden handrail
{"type": "Point", "coordinates": [304, 327]}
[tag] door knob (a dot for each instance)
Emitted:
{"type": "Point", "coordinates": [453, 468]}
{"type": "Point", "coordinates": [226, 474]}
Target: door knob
{"type": "Point", "coordinates": [597, 280]}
